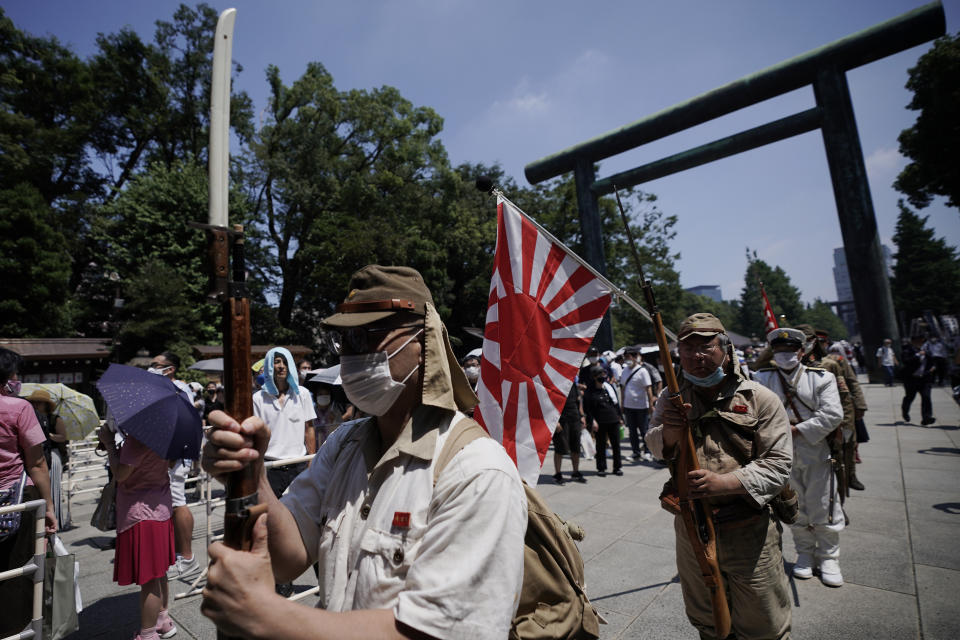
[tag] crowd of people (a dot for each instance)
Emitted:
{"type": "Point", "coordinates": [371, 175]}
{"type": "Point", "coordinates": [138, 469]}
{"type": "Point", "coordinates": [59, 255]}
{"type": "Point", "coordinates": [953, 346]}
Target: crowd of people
{"type": "Point", "coordinates": [379, 523]}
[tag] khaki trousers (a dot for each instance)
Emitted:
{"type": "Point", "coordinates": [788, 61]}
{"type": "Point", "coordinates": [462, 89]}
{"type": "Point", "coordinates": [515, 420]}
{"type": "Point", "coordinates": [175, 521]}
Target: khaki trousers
{"type": "Point", "coordinates": [757, 590]}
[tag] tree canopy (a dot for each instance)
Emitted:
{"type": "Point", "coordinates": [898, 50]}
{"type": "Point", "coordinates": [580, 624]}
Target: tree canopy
{"type": "Point", "coordinates": [932, 142]}
{"type": "Point", "coordinates": [784, 297]}
{"type": "Point", "coordinates": [927, 270]}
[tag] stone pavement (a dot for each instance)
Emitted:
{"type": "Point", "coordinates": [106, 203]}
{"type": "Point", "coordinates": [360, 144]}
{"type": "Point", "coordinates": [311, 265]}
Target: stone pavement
{"type": "Point", "coordinates": [900, 554]}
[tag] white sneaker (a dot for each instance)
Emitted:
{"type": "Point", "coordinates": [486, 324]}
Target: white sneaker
{"type": "Point", "coordinates": [189, 567]}
{"type": "Point", "coordinates": [173, 572]}
{"type": "Point", "coordinates": [803, 568]}
{"type": "Point", "coordinates": [647, 456]}
{"type": "Point", "coordinates": [830, 573]}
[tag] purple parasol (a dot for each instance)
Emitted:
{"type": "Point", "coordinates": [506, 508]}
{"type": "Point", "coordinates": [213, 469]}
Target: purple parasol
{"type": "Point", "coordinates": [153, 410]}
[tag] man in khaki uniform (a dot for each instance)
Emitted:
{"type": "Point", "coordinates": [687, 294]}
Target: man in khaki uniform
{"type": "Point", "coordinates": [742, 438]}
{"type": "Point", "coordinates": [835, 351]}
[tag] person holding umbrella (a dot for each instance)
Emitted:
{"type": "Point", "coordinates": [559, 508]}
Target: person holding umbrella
{"type": "Point", "coordinates": [159, 423]}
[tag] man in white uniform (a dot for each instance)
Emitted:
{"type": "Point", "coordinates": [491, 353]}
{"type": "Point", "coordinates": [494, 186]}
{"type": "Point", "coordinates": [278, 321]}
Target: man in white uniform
{"type": "Point", "coordinates": [812, 401]}
{"type": "Point", "coordinates": [402, 553]}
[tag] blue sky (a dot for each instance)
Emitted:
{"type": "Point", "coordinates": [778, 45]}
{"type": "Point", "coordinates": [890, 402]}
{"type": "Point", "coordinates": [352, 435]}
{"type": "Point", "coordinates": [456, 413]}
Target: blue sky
{"type": "Point", "coordinates": [515, 81]}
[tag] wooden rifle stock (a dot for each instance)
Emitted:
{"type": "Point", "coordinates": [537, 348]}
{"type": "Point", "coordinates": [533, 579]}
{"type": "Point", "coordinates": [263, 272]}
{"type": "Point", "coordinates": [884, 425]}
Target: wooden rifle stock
{"type": "Point", "coordinates": [696, 513]}
{"type": "Point", "coordinates": [242, 505]}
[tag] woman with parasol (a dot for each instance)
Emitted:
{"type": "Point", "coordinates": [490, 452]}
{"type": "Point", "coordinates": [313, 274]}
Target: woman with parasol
{"type": "Point", "coordinates": [158, 423]}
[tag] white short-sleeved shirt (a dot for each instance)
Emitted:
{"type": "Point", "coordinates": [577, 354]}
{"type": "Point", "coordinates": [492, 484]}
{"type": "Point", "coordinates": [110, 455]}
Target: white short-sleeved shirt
{"type": "Point", "coordinates": [287, 422]}
{"type": "Point", "coordinates": [448, 560]}
{"type": "Point", "coordinates": [635, 391]}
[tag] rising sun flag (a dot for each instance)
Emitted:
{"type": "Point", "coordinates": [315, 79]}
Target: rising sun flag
{"type": "Point", "coordinates": [544, 308]}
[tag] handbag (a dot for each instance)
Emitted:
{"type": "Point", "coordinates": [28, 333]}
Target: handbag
{"type": "Point", "coordinates": [104, 516]}
{"type": "Point", "coordinates": [61, 592]}
{"type": "Point", "coordinates": [12, 495]}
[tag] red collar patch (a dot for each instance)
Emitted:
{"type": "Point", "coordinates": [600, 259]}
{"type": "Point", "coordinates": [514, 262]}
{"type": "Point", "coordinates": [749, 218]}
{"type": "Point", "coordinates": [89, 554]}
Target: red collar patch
{"type": "Point", "coordinates": [401, 519]}
{"type": "Point", "coordinates": [740, 408]}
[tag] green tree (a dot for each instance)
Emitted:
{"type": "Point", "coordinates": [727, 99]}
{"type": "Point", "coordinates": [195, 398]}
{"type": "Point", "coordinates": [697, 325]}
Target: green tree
{"type": "Point", "coordinates": [340, 180]}
{"type": "Point", "coordinates": [727, 312]}
{"type": "Point", "coordinates": [155, 97]}
{"type": "Point", "coordinates": [34, 267]}
{"type": "Point", "coordinates": [147, 225]}
{"type": "Point", "coordinates": [932, 142]}
{"type": "Point", "coordinates": [821, 316]}
{"type": "Point", "coordinates": [927, 269]}
{"type": "Point", "coordinates": [784, 297]}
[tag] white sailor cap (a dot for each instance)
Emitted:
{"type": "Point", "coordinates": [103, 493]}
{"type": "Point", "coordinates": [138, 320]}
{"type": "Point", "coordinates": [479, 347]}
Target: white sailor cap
{"type": "Point", "coordinates": [786, 336]}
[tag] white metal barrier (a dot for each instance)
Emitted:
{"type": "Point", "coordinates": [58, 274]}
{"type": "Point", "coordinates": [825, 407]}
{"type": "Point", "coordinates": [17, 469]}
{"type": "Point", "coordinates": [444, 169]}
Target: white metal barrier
{"type": "Point", "coordinates": [33, 567]}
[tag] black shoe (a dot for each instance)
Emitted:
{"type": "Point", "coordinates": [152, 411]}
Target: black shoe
{"type": "Point", "coordinates": [906, 416]}
{"type": "Point", "coordinates": [578, 477]}
{"type": "Point", "coordinates": [618, 472]}
{"type": "Point", "coordinates": [856, 484]}
{"type": "Point", "coordinates": [558, 478]}
{"type": "Point", "coordinates": [927, 421]}
{"type": "Point", "coordinates": [285, 589]}
{"type": "Point", "coordinates": [602, 474]}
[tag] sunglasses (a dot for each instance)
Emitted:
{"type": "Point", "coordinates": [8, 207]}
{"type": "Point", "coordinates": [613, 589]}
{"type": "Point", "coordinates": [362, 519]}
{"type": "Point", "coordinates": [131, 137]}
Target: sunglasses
{"type": "Point", "coordinates": [361, 339]}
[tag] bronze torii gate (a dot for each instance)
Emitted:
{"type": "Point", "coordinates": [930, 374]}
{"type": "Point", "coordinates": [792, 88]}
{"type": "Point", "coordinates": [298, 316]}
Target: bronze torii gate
{"type": "Point", "coordinates": [825, 69]}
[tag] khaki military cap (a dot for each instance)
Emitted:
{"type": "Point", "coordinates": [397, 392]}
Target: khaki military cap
{"type": "Point", "coordinates": [700, 324]}
{"type": "Point", "coordinates": [377, 292]}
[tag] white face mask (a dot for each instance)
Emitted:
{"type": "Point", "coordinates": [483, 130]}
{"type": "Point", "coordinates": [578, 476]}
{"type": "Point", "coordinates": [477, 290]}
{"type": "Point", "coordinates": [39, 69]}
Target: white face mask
{"type": "Point", "coordinates": [323, 400]}
{"type": "Point", "coordinates": [160, 371]}
{"type": "Point", "coordinates": [367, 380]}
{"type": "Point", "coordinates": [472, 373]}
{"type": "Point", "coordinates": [786, 360]}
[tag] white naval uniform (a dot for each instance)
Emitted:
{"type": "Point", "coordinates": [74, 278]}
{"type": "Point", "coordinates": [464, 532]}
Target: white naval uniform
{"type": "Point", "coordinates": [817, 399]}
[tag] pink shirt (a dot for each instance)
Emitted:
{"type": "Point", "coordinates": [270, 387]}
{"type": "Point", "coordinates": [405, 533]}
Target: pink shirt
{"type": "Point", "coordinates": [145, 494]}
{"type": "Point", "coordinates": [19, 431]}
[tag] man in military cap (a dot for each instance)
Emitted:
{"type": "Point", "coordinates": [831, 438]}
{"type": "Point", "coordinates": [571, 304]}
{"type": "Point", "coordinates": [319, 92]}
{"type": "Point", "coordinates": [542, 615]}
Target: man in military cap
{"type": "Point", "coordinates": [402, 552]}
{"type": "Point", "coordinates": [837, 353]}
{"type": "Point", "coordinates": [812, 401]}
{"type": "Point", "coordinates": [740, 476]}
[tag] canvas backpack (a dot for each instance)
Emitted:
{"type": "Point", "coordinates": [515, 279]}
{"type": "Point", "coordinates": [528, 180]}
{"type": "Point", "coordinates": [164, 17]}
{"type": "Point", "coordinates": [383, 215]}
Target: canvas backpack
{"type": "Point", "coordinates": [553, 603]}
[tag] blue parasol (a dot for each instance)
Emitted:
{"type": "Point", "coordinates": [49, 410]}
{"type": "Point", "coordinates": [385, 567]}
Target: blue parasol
{"type": "Point", "coordinates": [153, 410]}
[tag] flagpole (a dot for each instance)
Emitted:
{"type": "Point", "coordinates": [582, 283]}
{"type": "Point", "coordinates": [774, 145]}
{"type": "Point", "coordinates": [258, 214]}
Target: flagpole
{"type": "Point", "coordinates": [614, 289]}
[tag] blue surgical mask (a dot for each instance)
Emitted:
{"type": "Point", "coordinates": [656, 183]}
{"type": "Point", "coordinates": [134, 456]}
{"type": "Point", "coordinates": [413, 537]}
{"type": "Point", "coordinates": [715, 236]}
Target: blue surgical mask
{"type": "Point", "coordinates": [711, 380]}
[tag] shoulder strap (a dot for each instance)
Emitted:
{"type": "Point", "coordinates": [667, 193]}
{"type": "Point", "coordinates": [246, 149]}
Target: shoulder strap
{"type": "Point", "coordinates": [461, 434]}
{"type": "Point", "coordinates": [632, 373]}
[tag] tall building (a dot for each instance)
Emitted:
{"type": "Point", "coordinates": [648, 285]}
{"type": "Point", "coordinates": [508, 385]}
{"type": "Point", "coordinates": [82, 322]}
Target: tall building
{"type": "Point", "coordinates": [841, 278]}
{"type": "Point", "coordinates": [711, 291]}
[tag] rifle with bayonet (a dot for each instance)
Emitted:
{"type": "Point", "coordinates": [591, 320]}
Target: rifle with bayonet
{"type": "Point", "coordinates": [695, 512]}
{"type": "Point", "coordinates": [226, 250]}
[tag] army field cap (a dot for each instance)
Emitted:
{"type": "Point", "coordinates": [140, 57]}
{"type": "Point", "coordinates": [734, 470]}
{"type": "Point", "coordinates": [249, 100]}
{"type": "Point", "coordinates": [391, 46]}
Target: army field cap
{"type": "Point", "coordinates": [700, 324]}
{"type": "Point", "coordinates": [786, 336]}
{"type": "Point", "coordinates": [377, 292]}
{"type": "Point", "coordinates": [808, 331]}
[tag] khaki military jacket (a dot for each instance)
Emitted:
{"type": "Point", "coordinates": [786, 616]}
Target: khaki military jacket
{"type": "Point", "coordinates": [743, 430]}
{"type": "Point", "coordinates": [850, 377]}
{"type": "Point", "coordinates": [848, 423]}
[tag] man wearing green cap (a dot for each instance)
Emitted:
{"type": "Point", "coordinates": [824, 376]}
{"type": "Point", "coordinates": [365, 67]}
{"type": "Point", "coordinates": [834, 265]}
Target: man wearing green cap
{"type": "Point", "coordinates": [405, 550]}
{"type": "Point", "coordinates": [742, 440]}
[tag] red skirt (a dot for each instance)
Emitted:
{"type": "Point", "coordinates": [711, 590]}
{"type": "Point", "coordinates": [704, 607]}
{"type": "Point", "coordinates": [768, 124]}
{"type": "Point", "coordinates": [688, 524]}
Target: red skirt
{"type": "Point", "coordinates": [144, 552]}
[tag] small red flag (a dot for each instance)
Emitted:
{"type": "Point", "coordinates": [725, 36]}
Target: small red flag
{"type": "Point", "coordinates": [770, 320]}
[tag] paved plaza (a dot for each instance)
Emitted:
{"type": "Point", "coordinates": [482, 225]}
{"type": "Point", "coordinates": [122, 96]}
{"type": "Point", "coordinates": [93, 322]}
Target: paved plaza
{"type": "Point", "coordinates": [900, 555]}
